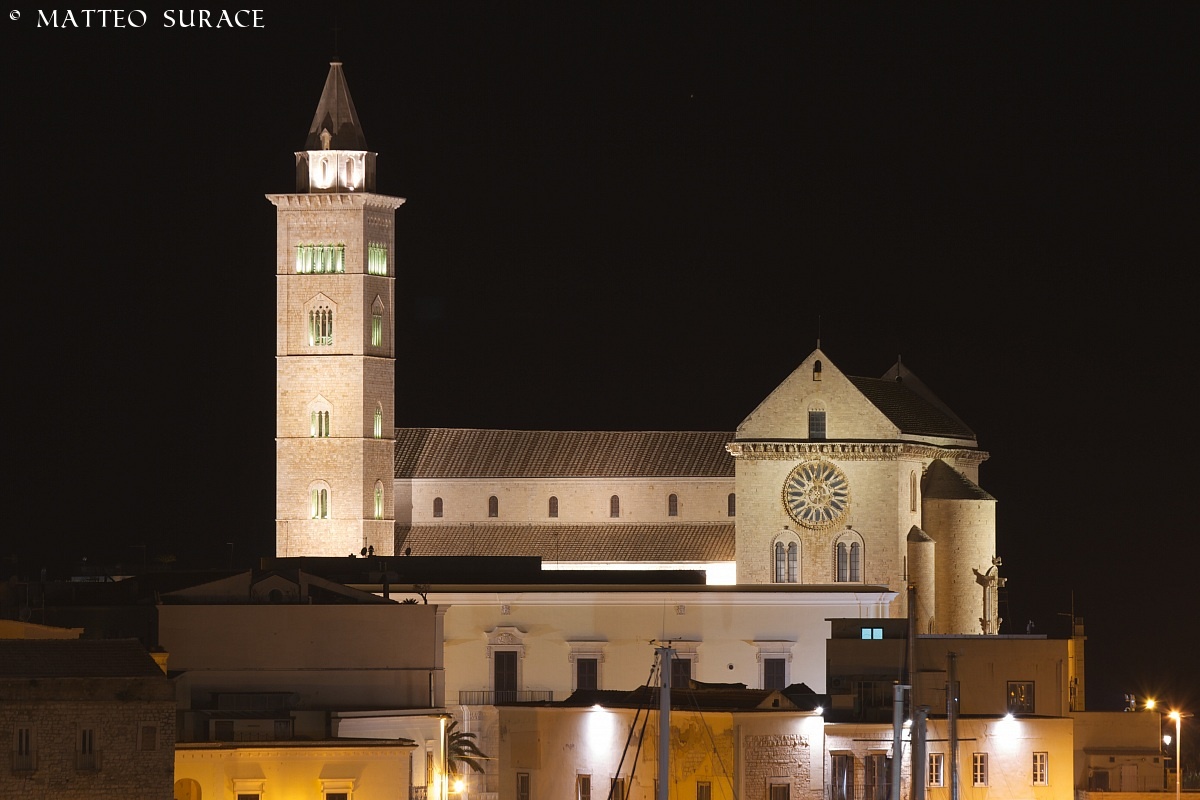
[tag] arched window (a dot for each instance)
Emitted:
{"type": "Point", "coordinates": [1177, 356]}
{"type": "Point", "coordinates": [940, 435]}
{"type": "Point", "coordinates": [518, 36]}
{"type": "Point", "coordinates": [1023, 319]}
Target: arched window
{"type": "Point", "coordinates": [848, 558]}
{"type": "Point", "coordinates": [493, 506]}
{"type": "Point", "coordinates": [614, 506]}
{"type": "Point", "coordinates": [378, 428]}
{"type": "Point", "coordinates": [912, 491]}
{"type": "Point", "coordinates": [553, 507]}
{"type": "Point", "coordinates": [672, 505]}
{"type": "Point", "coordinates": [437, 506]}
{"type": "Point", "coordinates": [377, 323]}
{"type": "Point", "coordinates": [378, 500]}
{"type": "Point", "coordinates": [787, 559]}
{"type": "Point", "coordinates": [732, 504]}
{"type": "Point", "coordinates": [319, 424]}
{"type": "Point", "coordinates": [320, 326]}
{"type": "Point", "coordinates": [319, 502]}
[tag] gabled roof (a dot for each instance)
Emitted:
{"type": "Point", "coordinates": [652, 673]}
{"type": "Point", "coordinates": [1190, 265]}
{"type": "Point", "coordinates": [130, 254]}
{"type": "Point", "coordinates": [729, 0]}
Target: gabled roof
{"type": "Point", "coordinates": [619, 542]}
{"type": "Point", "coordinates": [479, 453]}
{"type": "Point", "coordinates": [909, 410]}
{"type": "Point", "coordinates": [335, 113]}
{"type": "Point", "coordinates": [76, 658]}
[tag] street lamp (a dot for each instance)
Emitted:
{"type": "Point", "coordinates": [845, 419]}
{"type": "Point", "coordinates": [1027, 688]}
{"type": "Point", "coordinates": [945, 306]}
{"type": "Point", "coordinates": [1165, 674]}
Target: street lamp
{"type": "Point", "coordinates": [1178, 717]}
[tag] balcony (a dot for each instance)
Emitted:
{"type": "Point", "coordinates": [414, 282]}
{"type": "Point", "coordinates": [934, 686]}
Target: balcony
{"type": "Point", "coordinates": [87, 762]}
{"type": "Point", "coordinates": [23, 762]}
{"type": "Point", "coordinates": [504, 696]}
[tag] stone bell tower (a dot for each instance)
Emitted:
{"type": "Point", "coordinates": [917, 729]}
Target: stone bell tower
{"type": "Point", "coordinates": [335, 353]}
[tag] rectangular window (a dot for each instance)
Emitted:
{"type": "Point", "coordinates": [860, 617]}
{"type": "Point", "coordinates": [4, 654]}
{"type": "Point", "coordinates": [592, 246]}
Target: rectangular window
{"type": "Point", "coordinates": [337, 796]}
{"type": "Point", "coordinates": [876, 780]}
{"type": "Point", "coordinates": [505, 675]}
{"type": "Point", "coordinates": [979, 769]}
{"type": "Point", "coordinates": [583, 787]}
{"type": "Point", "coordinates": [23, 755]}
{"type": "Point", "coordinates": [85, 756]}
{"type": "Point", "coordinates": [774, 670]}
{"type": "Point", "coordinates": [377, 259]}
{"type": "Point", "coordinates": [681, 672]}
{"type": "Point", "coordinates": [872, 633]}
{"type": "Point", "coordinates": [587, 673]}
{"type": "Point", "coordinates": [843, 777]}
{"type": "Point", "coordinates": [1041, 769]}
{"type": "Point", "coordinates": [1020, 697]}
{"type": "Point", "coordinates": [376, 330]}
{"type": "Point", "coordinates": [816, 425]}
{"type": "Point", "coordinates": [618, 789]}
{"type": "Point", "coordinates": [523, 786]}
{"type": "Point", "coordinates": [779, 791]}
{"type": "Point", "coordinates": [936, 774]}
{"type": "Point", "coordinates": [148, 737]}
{"type": "Point", "coordinates": [703, 790]}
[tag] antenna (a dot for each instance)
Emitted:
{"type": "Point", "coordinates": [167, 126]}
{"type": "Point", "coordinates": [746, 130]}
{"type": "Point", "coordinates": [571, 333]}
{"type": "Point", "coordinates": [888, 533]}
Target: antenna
{"type": "Point", "coordinates": [335, 36]}
{"type": "Point", "coordinates": [818, 331]}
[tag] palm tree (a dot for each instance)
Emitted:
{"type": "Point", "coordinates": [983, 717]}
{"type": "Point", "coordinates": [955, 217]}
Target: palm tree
{"type": "Point", "coordinates": [461, 749]}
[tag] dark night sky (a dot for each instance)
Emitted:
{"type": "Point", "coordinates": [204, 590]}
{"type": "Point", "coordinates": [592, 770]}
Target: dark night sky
{"type": "Point", "coordinates": [633, 216]}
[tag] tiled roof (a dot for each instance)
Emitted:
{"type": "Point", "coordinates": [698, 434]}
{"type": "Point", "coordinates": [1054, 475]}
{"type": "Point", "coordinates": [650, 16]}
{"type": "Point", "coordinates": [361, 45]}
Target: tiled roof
{"type": "Point", "coordinates": [579, 543]}
{"type": "Point", "coordinates": [76, 658]}
{"type": "Point", "coordinates": [909, 411]}
{"type": "Point", "coordinates": [479, 453]}
{"type": "Point", "coordinates": [944, 482]}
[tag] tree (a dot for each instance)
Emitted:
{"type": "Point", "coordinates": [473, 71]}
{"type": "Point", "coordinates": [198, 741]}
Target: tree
{"type": "Point", "coordinates": [461, 750]}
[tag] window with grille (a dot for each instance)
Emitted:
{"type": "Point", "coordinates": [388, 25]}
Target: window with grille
{"type": "Point", "coordinates": [935, 771]}
{"type": "Point", "coordinates": [843, 777]}
{"type": "Point", "coordinates": [979, 769]}
{"type": "Point", "coordinates": [779, 791]}
{"type": "Point", "coordinates": [523, 789]}
{"type": "Point", "coordinates": [583, 787]}
{"type": "Point", "coordinates": [774, 673]}
{"type": "Point", "coordinates": [703, 790]}
{"type": "Point", "coordinates": [1041, 769]}
{"type": "Point", "coordinates": [681, 672]}
{"type": "Point", "coordinates": [816, 425]}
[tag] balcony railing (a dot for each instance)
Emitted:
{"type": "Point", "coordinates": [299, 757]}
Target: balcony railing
{"type": "Point", "coordinates": [416, 793]}
{"type": "Point", "coordinates": [87, 762]}
{"type": "Point", "coordinates": [491, 698]}
{"type": "Point", "coordinates": [24, 762]}
{"type": "Point", "coordinates": [876, 791]}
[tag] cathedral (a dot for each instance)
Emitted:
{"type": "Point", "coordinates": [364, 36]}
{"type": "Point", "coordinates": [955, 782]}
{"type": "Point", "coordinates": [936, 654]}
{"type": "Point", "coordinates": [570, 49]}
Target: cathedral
{"type": "Point", "coordinates": [833, 483]}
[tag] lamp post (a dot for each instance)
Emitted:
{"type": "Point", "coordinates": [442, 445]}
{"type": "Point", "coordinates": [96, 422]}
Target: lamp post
{"type": "Point", "coordinates": [1178, 717]}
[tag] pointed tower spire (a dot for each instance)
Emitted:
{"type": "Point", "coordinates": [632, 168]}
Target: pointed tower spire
{"type": "Point", "coordinates": [335, 156]}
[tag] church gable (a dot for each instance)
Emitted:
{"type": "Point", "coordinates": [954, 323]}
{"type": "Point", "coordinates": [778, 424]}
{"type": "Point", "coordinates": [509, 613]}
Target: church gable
{"type": "Point", "coordinates": [817, 386]}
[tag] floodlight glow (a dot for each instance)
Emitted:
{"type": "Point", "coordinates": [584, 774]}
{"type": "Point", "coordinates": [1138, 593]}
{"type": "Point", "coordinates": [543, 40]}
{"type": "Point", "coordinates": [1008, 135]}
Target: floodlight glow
{"type": "Point", "coordinates": [1150, 704]}
{"type": "Point", "coordinates": [459, 785]}
{"type": "Point", "coordinates": [819, 710]}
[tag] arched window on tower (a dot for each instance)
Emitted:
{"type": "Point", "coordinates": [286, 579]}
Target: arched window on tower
{"type": "Point", "coordinates": [437, 506]}
{"type": "Point", "coordinates": [378, 426]}
{"type": "Point", "coordinates": [378, 500]}
{"type": "Point", "coordinates": [848, 557]}
{"type": "Point", "coordinates": [377, 323]}
{"type": "Point", "coordinates": [319, 505]}
{"type": "Point", "coordinates": [493, 506]}
{"type": "Point", "coordinates": [614, 506]}
{"type": "Point", "coordinates": [319, 424]}
{"type": "Point", "coordinates": [320, 326]}
{"type": "Point", "coordinates": [673, 505]}
{"type": "Point", "coordinates": [912, 491]}
{"type": "Point", "coordinates": [553, 511]}
{"type": "Point", "coordinates": [732, 503]}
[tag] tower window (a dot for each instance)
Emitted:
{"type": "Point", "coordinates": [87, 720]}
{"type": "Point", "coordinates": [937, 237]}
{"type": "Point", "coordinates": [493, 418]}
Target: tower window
{"type": "Point", "coordinates": [817, 370]}
{"type": "Point", "coordinates": [673, 505]}
{"type": "Point", "coordinates": [614, 506]}
{"type": "Point", "coordinates": [437, 506]}
{"type": "Point", "coordinates": [319, 424]}
{"type": "Point", "coordinates": [378, 500]}
{"type": "Point", "coordinates": [816, 425]}
{"type": "Point", "coordinates": [320, 259]}
{"type": "Point", "coordinates": [377, 259]}
{"type": "Point", "coordinates": [493, 506]}
{"type": "Point", "coordinates": [320, 503]}
{"type": "Point", "coordinates": [377, 328]}
{"type": "Point", "coordinates": [320, 326]}
{"type": "Point", "coordinates": [732, 503]}
{"type": "Point", "coordinates": [553, 511]}
{"type": "Point", "coordinates": [378, 426]}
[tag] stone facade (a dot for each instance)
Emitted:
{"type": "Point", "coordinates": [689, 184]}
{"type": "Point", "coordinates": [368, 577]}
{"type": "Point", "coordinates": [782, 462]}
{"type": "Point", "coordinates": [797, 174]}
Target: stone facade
{"type": "Point", "coordinates": [335, 352]}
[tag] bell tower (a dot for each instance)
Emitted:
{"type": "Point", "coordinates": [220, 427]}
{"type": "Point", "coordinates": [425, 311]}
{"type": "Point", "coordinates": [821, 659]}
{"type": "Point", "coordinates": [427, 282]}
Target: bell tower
{"type": "Point", "coordinates": [335, 357]}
